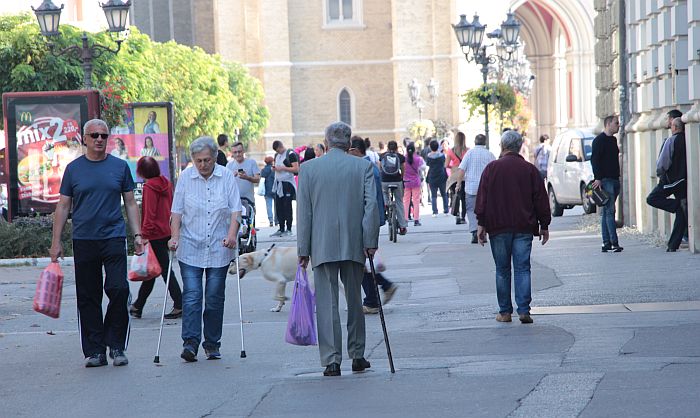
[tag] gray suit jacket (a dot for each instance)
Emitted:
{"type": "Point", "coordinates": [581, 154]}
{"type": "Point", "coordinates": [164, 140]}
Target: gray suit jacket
{"type": "Point", "coordinates": [337, 214]}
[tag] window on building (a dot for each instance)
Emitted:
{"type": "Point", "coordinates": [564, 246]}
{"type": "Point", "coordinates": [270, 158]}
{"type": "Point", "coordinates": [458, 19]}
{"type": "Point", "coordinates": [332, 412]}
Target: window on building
{"type": "Point", "coordinates": [343, 12]}
{"type": "Point", "coordinates": [345, 107]}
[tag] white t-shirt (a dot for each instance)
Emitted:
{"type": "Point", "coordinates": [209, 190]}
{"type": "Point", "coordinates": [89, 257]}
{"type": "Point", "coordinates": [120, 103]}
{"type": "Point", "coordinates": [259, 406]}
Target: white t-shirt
{"type": "Point", "coordinates": [373, 156]}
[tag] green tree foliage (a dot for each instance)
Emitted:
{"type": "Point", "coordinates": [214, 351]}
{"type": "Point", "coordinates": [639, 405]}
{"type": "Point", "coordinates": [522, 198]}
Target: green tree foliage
{"type": "Point", "coordinates": [501, 98]}
{"type": "Point", "coordinates": [209, 95]}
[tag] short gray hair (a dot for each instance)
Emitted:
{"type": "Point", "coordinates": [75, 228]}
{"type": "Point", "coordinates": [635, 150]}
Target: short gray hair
{"type": "Point", "coordinates": [338, 135]}
{"type": "Point", "coordinates": [92, 122]}
{"type": "Point", "coordinates": [202, 143]}
{"type": "Point", "coordinates": [678, 123]}
{"type": "Point", "coordinates": [511, 141]}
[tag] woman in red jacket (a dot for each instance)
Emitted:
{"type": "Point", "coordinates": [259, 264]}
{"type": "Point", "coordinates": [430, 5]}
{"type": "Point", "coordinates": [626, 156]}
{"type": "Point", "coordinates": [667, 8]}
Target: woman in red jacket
{"type": "Point", "coordinates": [155, 228]}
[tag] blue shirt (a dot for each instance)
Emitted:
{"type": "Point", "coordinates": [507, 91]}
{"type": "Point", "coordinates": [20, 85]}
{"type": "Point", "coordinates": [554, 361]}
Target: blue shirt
{"type": "Point", "coordinates": [380, 195]}
{"type": "Point", "coordinates": [269, 177]}
{"type": "Point", "coordinates": [96, 189]}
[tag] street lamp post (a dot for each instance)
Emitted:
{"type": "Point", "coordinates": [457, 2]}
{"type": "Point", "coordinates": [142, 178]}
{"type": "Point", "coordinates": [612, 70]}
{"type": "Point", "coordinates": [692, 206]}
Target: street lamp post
{"type": "Point", "coordinates": [414, 92]}
{"type": "Point", "coordinates": [49, 15]}
{"type": "Point", "coordinates": [471, 36]}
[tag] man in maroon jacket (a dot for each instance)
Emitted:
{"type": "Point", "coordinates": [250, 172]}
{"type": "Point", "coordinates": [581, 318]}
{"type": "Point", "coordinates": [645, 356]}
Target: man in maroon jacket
{"type": "Point", "coordinates": [512, 206]}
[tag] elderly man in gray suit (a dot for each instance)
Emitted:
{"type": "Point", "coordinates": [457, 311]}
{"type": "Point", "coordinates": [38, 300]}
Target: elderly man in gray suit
{"type": "Point", "coordinates": [337, 226]}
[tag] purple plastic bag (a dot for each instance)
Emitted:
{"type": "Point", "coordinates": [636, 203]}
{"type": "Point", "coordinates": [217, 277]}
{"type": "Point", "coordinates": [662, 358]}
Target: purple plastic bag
{"type": "Point", "coordinates": [301, 326]}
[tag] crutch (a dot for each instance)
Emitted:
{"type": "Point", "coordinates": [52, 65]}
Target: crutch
{"type": "Point", "coordinates": [240, 308]}
{"type": "Point", "coordinates": [381, 314]}
{"type": "Point", "coordinates": [156, 359]}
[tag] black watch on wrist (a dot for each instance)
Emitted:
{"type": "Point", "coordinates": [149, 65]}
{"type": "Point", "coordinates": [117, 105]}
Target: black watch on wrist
{"type": "Point", "coordinates": [137, 235]}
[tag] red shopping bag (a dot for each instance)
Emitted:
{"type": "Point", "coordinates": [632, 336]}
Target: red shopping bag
{"type": "Point", "coordinates": [49, 288]}
{"type": "Point", "coordinates": [144, 266]}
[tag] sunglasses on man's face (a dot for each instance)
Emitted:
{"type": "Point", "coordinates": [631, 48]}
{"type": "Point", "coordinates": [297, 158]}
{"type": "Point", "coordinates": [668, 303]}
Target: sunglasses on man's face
{"type": "Point", "coordinates": [96, 135]}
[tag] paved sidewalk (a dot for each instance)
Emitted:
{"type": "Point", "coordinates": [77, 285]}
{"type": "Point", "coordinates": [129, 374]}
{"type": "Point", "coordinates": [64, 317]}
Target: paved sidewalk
{"type": "Point", "coordinates": [614, 335]}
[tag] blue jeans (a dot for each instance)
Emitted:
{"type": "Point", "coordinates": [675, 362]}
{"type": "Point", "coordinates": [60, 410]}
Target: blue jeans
{"type": "Point", "coordinates": [269, 204]}
{"type": "Point", "coordinates": [517, 247]}
{"type": "Point", "coordinates": [214, 295]}
{"type": "Point", "coordinates": [434, 191]}
{"type": "Point", "coordinates": [607, 220]}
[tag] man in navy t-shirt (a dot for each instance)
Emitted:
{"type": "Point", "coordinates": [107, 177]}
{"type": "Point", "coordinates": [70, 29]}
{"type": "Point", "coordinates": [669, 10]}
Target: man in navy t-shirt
{"type": "Point", "coordinates": [93, 186]}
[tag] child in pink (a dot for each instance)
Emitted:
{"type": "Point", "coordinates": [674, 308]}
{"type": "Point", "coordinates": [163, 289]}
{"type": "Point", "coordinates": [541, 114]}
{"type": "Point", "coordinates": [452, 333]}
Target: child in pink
{"type": "Point", "coordinates": [411, 183]}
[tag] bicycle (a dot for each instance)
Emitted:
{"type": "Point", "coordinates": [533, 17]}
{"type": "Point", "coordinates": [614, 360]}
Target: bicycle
{"type": "Point", "coordinates": [247, 236]}
{"type": "Point", "coordinates": [392, 214]}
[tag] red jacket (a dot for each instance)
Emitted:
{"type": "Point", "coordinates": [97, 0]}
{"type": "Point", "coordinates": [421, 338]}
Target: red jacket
{"type": "Point", "coordinates": [156, 203]}
{"type": "Point", "coordinates": [512, 197]}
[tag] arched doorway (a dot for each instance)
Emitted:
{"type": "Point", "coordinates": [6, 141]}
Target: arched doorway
{"type": "Point", "coordinates": [559, 42]}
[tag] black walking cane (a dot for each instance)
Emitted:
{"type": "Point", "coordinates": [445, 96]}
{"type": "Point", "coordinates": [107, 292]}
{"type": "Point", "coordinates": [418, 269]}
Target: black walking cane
{"type": "Point", "coordinates": [381, 314]}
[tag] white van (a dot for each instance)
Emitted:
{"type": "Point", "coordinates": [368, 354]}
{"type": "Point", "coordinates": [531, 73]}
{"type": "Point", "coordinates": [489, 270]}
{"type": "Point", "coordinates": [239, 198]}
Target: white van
{"type": "Point", "coordinates": [569, 170]}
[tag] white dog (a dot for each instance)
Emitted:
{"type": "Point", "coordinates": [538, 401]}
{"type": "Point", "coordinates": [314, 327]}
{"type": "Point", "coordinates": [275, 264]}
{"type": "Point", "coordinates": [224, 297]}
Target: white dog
{"type": "Point", "coordinates": [277, 264]}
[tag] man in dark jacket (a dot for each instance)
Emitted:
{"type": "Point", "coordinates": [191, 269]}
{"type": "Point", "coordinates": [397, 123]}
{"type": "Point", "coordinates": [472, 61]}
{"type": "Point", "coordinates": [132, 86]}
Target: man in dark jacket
{"type": "Point", "coordinates": [671, 168]}
{"type": "Point", "coordinates": [605, 161]}
{"type": "Point", "coordinates": [512, 206]}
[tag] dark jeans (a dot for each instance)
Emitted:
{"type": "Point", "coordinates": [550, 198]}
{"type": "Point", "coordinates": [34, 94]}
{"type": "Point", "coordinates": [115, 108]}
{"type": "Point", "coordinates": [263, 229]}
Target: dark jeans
{"type": "Point", "coordinates": [434, 191]}
{"type": "Point", "coordinates": [659, 198]}
{"type": "Point", "coordinates": [283, 207]}
{"type": "Point", "coordinates": [607, 219]}
{"type": "Point", "coordinates": [371, 296]}
{"type": "Point", "coordinates": [214, 295]}
{"type": "Point", "coordinates": [515, 247]}
{"type": "Point", "coordinates": [459, 200]}
{"type": "Point", "coordinates": [160, 248]}
{"type": "Point", "coordinates": [98, 333]}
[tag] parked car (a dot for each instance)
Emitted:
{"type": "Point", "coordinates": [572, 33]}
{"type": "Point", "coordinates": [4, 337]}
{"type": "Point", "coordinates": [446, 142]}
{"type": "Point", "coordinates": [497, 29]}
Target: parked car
{"type": "Point", "coordinates": [569, 170]}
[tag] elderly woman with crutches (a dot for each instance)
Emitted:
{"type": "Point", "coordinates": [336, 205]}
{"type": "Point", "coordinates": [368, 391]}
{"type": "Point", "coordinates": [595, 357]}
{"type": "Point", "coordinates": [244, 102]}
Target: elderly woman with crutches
{"type": "Point", "coordinates": [204, 224]}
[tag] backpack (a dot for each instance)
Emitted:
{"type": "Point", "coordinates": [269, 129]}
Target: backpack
{"type": "Point", "coordinates": [286, 161]}
{"type": "Point", "coordinates": [391, 164]}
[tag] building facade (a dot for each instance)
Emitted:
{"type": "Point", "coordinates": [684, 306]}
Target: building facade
{"type": "Point", "coordinates": [648, 59]}
{"type": "Point", "coordinates": [352, 60]}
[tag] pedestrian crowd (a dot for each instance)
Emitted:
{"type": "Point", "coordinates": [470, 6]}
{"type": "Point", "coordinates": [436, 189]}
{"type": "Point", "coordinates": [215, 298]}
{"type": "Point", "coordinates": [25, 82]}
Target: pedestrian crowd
{"type": "Point", "coordinates": [342, 189]}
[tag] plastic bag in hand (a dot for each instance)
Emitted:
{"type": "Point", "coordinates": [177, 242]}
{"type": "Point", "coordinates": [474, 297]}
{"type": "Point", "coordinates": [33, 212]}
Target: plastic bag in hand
{"type": "Point", "coordinates": [144, 266]}
{"type": "Point", "coordinates": [49, 288]}
{"type": "Point", "coordinates": [301, 327]}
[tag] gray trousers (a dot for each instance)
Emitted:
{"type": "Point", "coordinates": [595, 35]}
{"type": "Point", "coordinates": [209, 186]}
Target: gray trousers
{"type": "Point", "coordinates": [330, 334]}
{"type": "Point", "coordinates": [400, 210]}
{"type": "Point", "coordinates": [471, 203]}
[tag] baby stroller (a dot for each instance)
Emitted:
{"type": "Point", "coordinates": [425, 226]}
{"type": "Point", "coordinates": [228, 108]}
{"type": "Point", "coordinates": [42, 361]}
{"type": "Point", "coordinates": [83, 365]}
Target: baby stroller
{"type": "Point", "coordinates": [247, 236]}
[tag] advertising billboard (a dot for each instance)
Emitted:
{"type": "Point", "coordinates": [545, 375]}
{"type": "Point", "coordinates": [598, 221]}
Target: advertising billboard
{"type": "Point", "coordinates": [43, 136]}
{"type": "Point", "coordinates": [146, 130]}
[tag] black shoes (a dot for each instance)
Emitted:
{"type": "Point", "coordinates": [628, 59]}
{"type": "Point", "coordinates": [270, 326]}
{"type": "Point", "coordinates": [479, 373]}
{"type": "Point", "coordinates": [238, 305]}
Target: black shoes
{"type": "Point", "coordinates": [611, 247]}
{"type": "Point", "coordinates": [460, 221]}
{"type": "Point", "coordinates": [333, 369]}
{"type": "Point", "coordinates": [134, 311]}
{"type": "Point", "coordinates": [118, 356]}
{"type": "Point", "coordinates": [96, 360]}
{"type": "Point", "coordinates": [174, 314]}
{"type": "Point", "coordinates": [212, 354]}
{"type": "Point", "coordinates": [360, 364]}
{"type": "Point", "coordinates": [416, 223]}
{"type": "Point", "coordinates": [189, 352]}
{"type": "Point", "coordinates": [475, 239]}
{"type": "Point", "coordinates": [671, 250]}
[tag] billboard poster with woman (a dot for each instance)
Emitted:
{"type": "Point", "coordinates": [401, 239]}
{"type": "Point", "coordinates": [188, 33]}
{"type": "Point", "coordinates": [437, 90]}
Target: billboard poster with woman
{"type": "Point", "coordinates": [146, 130]}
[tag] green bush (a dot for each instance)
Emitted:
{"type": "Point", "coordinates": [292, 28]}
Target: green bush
{"type": "Point", "coordinates": [31, 237]}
